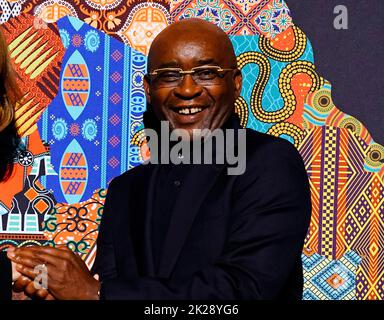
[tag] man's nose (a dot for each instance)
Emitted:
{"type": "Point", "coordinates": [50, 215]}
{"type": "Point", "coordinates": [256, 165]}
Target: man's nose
{"type": "Point", "coordinates": [188, 88]}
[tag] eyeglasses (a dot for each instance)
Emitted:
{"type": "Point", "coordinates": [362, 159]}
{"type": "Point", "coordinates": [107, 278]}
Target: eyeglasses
{"type": "Point", "coordinates": [172, 77]}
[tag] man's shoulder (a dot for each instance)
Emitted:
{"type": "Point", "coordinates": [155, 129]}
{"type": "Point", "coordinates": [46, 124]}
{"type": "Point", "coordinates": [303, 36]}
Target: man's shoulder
{"type": "Point", "coordinates": [130, 177]}
{"type": "Point", "coordinates": [266, 145]}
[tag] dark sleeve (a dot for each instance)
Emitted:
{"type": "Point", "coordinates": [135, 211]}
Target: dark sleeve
{"type": "Point", "coordinates": [5, 277]}
{"type": "Point", "coordinates": [270, 216]}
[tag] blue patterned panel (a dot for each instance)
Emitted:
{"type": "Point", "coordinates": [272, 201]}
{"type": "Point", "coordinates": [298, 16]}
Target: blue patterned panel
{"type": "Point", "coordinates": [99, 107]}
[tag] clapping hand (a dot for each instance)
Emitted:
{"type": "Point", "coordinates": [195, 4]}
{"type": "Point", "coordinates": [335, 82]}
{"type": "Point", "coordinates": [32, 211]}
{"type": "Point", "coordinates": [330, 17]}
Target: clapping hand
{"type": "Point", "coordinates": [67, 275]}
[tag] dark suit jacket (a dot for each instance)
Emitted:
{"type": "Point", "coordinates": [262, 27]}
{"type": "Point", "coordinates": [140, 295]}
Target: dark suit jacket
{"type": "Point", "coordinates": [230, 237]}
{"type": "Point", "coordinates": [5, 277]}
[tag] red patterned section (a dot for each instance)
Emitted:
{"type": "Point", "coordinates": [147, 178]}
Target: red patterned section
{"type": "Point", "coordinates": [36, 54]}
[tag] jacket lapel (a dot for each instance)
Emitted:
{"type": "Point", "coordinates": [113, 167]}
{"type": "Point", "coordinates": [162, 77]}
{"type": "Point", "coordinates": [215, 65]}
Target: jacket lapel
{"type": "Point", "coordinates": [199, 180]}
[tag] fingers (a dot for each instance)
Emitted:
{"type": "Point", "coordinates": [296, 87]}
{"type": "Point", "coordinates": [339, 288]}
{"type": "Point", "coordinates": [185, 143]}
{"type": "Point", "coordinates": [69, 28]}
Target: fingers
{"type": "Point", "coordinates": [15, 273]}
{"type": "Point", "coordinates": [31, 256]}
{"type": "Point", "coordinates": [26, 271]}
{"type": "Point", "coordinates": [27, 262]}
{"type": "Point", "coordinates": [56, 252]}
{"type": "Point", "coordinates": [49, 297]}
{"type": "Point", "coordinates": [21, 283]}
{"type": "Point", "coordinates": [26, 285]}
{"type": "Point", "coordinates": [32, 292]}
{"type": "Point", "coordinates": [41, 294]}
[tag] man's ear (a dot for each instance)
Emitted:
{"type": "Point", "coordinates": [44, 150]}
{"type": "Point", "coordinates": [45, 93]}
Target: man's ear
{"type": "Point", "coordinates": [146, 89]}
{"type": "Point", "coordinates": [238, 81]}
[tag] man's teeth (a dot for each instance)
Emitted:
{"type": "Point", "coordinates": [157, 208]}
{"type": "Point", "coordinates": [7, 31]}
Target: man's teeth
{"type": "Point", "coordinates": [189, 110]}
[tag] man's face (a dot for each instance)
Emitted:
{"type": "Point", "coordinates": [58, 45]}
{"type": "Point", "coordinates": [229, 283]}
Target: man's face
{"type": "Point", "coordinates": [216, 101]}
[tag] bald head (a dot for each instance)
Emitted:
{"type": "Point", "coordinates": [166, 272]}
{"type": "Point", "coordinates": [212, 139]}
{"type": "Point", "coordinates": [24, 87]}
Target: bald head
{"type": "Point", "coordinates": [192, 103]}
{"type": "Point", "coordinates": [191, 31]}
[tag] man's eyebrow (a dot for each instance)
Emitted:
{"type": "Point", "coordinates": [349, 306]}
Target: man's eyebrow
{"type": "Point", "coordinates": [209, 61]}
{"type": "Point", "coordinates": [200, 62]}
{"type": "Point", "coordinates": [171, 64]}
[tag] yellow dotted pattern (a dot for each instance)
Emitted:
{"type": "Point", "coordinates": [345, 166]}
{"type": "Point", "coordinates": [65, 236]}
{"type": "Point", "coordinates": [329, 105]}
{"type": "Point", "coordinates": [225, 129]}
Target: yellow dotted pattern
{"type": "Point", "coordinates": [138, 138]}
{"type": "Point", "coordinates": [286, 56]}
{"type": "Point", "coordinates": [241, 108]}
{"type": "Point", "coordinates": [285, 78]}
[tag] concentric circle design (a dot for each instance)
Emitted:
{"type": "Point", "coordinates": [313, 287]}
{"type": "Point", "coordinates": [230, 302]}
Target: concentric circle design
{"type": "Point", "coordinates": [322, 101]}
{"type": "Point", "coordinates": [351, 124]}
{"type": "Point", "coordinates": [374, 157]}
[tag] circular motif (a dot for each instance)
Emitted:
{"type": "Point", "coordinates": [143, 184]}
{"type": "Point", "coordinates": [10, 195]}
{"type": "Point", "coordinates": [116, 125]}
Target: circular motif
{"type": "Point", "coordinates": [65, 38]}
{"type": "Point", "coordinates": [77, 40]}
{"type": "Point", "coordinates": [74, 129]}
{"type": "Point", "coordinates": [351, 124]}
{"type": "Point", "coordinates": [92, 41]}
{"type": "Point", "coordinates": [137, 78]}
{"type": "Point", "coordinates": [89, 129]}
{"type": "Point", "coordinates": [322, 101]}
{"type": "Point", "coordinates": [374, 156]}
{"type": "Point", "coordinates": [103, 4]}
{"type": "Point", "coordinates": [59, 129]}
{"type": "Point", "coordinates": [25, 158]}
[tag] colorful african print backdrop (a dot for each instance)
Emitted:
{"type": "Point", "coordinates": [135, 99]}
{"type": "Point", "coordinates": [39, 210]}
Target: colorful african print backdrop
{"type": "Point", "coordinates": [82, 64]}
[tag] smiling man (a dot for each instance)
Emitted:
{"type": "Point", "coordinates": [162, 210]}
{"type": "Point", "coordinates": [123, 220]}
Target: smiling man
{"type": "Point", "coordinates": [192, 231]}
{"type": "Point", "coordinates": [185, 101]}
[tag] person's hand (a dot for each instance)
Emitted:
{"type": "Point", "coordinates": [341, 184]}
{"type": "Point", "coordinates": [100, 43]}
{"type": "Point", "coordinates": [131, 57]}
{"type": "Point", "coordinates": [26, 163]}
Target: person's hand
{"type": "Point", "coordinates": [68, 276]}
{"type": "Point", "coordinates": [27, 286]}
{"type": "Point", "coordinates": [15, 273]}
{"type": "Point", "coordinates": [23, 286]}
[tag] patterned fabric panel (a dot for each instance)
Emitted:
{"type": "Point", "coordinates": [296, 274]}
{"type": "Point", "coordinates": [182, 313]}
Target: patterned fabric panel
{"type": "Point", "coordinates": [135, 22]}
{"type": "Point", "coordinates": [240, 17]}
{"type": "Point", "coordinates": [91, 121]}
{"type": "Point", "coordinates": [97, 109]}
{"type": "Point", "coordinates": [278, 74]}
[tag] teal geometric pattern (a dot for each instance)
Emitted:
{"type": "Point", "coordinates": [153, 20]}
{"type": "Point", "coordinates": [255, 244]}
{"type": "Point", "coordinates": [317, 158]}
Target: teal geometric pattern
{"type": "Point", "coordinates": [330, 279]}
